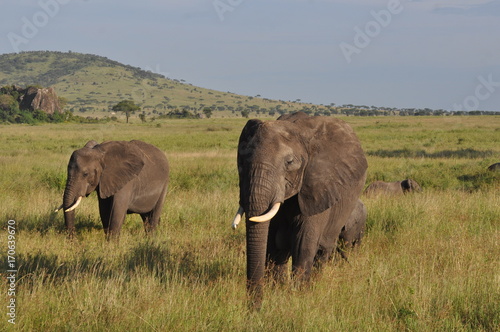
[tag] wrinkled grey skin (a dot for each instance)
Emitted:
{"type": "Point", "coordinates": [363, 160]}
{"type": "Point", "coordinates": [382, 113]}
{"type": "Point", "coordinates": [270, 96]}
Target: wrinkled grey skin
{"type": "Point", "coordinates": [354, 229]}
{"type": "Point", "coordinates": [494, 167]}
{"type": "Point", "coordinates": [316, 168]}
{"type": "Point", "coordinates": [129, 177]}
{"type": "Point", "coordinates": [393, 188]}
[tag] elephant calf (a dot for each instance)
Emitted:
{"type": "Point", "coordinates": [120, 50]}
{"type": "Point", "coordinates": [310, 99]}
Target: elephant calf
{"type": "Point", "coordinates": [129, 177]}
{"type": "Point", "coordinates": [354, 229]}
{"type": "Point", "coordinates": [393, 188]}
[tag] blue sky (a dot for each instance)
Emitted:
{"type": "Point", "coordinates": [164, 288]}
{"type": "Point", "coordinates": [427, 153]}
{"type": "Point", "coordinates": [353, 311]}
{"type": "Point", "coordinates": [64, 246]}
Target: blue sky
{"type": "Point", "coordinates": [427, 53]}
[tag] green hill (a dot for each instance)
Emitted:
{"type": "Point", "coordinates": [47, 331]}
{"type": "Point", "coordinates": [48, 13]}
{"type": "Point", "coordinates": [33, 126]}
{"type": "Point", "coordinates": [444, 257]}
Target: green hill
{"type": "Point", "coordinates": [93, 84]}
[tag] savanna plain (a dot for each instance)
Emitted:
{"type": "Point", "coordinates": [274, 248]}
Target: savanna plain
{"type": "Point", "coordinates": [429, 261]}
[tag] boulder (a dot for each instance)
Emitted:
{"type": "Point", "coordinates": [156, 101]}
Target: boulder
{"type": "Point", "coordinates": [44, 99]}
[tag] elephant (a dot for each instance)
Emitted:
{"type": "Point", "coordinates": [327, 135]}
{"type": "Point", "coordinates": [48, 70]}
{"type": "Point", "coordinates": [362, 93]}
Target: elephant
{"type": "Point", "coordinates": [300, 178]}
{"type": "Point", "coordinates": [352, 232]}
{"type": "Point", "coordinates": [494, 167]}
{"type": "Point", "coordinates": [392, 188]}
{"type": "Point", "coordinates": [129, 177]}
{"type": "Point", "coordinates": [354, 229]}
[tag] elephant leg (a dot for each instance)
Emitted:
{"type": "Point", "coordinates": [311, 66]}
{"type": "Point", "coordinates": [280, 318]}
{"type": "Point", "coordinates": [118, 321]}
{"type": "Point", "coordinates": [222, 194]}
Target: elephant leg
{"type": "Point", "coordinates": [315, 238]}
{"type": "Point", "coordinates": [146, 220]}
{"type": "Point", "coordinates": [277, 259]}
{"type": "Point", "coordinates": [117, 215]}
{"type": "Point", "coordinates": [116, 220]}
{"type": "Point", "coordinates": [322, 256]}
{"type": "Point", "coordinates": [327, 244]}
{"type": "Point", "coordinates": [335, 235]}
{"type": "Point", "coordinates": [278, 247]}
{"type": "Point", "coordinates": [105, 212]}
{"type": "Point", "coordinates": [304, 248]}
{"type": "Point", "coordinates": [153, 219]}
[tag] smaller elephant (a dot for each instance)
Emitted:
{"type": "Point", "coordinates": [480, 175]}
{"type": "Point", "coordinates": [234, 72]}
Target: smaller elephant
{"type": "Point", "coordinates": [129, 177]}
{"type": "Point", "coordinates": [494, 167]}
{"type": "Point", "coordinates": [354, 229]}
{"type": "Point", "coordinates": [393, 188]}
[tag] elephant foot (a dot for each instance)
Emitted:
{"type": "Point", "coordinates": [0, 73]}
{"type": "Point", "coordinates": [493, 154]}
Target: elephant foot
{"type": "Point", "coordinates": [255, 295]}
{"type": "Point", "coordinates": [70, 233]}
{"type": "Point", "coordinates": [278, 273]}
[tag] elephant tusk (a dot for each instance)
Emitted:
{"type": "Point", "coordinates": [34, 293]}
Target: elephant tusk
{"type": "Point", "coordinates": [237, 218]}
{"type": "Point", "coordinates": [72, 207]}
{"type": "Point", "coordinates": [267, 216]}
{"type": "Point", "coordinates": [59, 208]}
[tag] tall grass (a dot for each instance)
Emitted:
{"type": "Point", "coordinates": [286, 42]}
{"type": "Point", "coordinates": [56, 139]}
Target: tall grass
{"type": "Point", "coordinates": [428, 262]}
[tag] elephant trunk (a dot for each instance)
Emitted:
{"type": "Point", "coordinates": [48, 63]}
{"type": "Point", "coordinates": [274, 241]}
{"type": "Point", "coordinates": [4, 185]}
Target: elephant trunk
{"type": "Point", "coordinates": [260, 198]}
{"type": "Point", "coordinates": [256, 236]}
{"type": "Point", "coordinates": [70, 201]}
{"type": "Point", "coordinates": [259, 192]}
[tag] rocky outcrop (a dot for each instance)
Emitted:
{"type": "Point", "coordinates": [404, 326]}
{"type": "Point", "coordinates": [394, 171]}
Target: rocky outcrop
{"type": "Point", "coordinates": [44, 99]}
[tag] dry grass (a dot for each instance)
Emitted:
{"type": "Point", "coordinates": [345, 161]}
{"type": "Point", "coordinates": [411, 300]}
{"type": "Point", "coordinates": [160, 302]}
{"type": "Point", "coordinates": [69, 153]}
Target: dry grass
{"type": "Point", "coordinates": [429, 262]}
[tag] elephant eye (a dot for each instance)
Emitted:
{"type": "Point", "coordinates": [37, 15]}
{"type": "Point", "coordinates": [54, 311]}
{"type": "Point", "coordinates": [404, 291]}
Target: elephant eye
{"type": "Point", "coordinates": [290, 162]}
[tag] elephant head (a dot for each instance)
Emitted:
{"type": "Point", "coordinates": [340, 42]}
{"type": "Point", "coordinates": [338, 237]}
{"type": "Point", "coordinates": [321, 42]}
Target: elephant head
{"type": "Point", "coordinates": [410, 185]}
{"type": "Point", "coordinates": [315, 160]}
{"type": "Point", "coordinates": [494, 167]}
{"type": "Point", "coordinates": [103, 167]}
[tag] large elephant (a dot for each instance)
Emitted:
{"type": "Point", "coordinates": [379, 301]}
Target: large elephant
{"type": "Point", "coordinates": [300, 178]}
{"type": "Point", "coordinates": [392, 188]}
{"type": "Point", "coordinates": [129, 177]}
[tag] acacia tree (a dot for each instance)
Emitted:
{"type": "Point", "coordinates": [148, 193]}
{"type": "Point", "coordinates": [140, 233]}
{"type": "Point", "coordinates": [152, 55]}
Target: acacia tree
{"type": "Point", "coordinates": [127, 107]}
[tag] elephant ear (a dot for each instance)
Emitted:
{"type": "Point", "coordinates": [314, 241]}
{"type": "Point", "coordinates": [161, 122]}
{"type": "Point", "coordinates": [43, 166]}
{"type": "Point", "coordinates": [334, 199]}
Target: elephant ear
{"type": "Point", "coordinates": [91, 144]}
{"type": "Point", "coordinates": [122, 162]}
{"type": "Point", "coordinates": [336, 164]}
{"type": "Point", "coordinates": [406, 185]}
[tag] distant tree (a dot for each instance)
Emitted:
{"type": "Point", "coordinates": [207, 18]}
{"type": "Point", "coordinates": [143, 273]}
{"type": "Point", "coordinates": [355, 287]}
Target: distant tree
{"type": "Point", "coordinates": [176, 114]}
{"type": "Point", "coordinates": [208, 112]}
{"type": "Point", "coordinates": [245, 113]}
{"type": "Point", "coordinates": [127, 107]}
{"type": "Point", "coordinates": [142, 116]}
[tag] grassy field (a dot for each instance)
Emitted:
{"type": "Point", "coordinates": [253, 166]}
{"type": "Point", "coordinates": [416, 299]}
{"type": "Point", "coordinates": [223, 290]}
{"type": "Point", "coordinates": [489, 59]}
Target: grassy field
{"type": "Point", "coordinates": [429, 261]}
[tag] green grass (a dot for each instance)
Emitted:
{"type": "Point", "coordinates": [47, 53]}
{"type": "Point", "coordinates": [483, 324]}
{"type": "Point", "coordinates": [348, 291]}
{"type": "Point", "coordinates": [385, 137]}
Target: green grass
{"type": "Point", "coordinates": [428, 262]}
